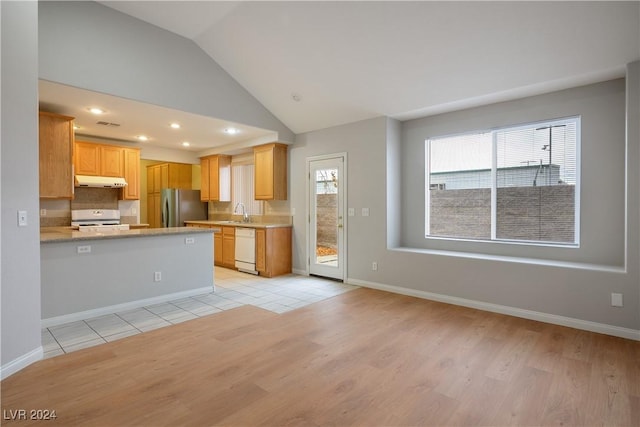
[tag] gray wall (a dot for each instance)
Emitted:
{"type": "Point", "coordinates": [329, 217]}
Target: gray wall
{"type": "Point", "coordinates": [119, 271]}
{"type": "Point", "coordinates": [90, 46]}
{"type": "Point", "coordinates": [387, 163]}
{"type": "Point", "coordinates": [602, 110]}
{"type": "Point", "coordinates": [20, 270]}
{"type": "Point", "coordinates": [364, 143]}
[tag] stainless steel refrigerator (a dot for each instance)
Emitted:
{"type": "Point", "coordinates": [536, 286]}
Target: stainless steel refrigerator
{"type": "Point", "coordinates": [178, 206]}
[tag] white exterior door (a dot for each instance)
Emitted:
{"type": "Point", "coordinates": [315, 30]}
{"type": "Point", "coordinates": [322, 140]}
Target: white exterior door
{"type": "Point", "coordinates": [327, 221]}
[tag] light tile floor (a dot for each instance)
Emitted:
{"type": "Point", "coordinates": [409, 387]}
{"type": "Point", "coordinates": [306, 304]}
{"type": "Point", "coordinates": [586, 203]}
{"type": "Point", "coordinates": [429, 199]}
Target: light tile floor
{"type": "Point", "coordinates": [233, 289]}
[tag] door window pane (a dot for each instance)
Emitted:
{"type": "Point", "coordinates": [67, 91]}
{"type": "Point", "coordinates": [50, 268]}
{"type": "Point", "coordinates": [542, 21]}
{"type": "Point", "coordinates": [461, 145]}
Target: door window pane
{"type": "Point", "coordinates": [326, 216]}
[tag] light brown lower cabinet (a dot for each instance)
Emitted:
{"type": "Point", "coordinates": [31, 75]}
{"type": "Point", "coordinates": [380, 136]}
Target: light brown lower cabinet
{"type": "Point", "coordinates": [261, 251]}
{"type": "Point", "coordinates": [154, 217]}
{"type": "Point", "coordinates": [217, 248]}
{"type": "Point", "coordinates": [273, 251]}
{"type": "Point", "coordinates": [229, 247]}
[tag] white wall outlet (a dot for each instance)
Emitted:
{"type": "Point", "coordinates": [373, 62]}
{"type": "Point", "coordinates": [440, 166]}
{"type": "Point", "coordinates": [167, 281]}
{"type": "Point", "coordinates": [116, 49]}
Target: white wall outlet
{"type": "Point", "coordinates": [189, 240]}
{"type": "Point", "coordinates": [374, 266]}
{"type": "Point", "coordinates": [134, 211]}
{"type": "Point", "coordinates": [43, 212]}
{"type": "Point", "coordinates": [351, 212]}
{"type": "Point", "coordinates": [22, 218]}
{"type": "Point", "coordinates": [365, 211]}
{"type": "Point", "coordinates": [616, 300]}
{"type": "Point", "coordinates": [157, 276]}
{"type": "Point", "coordinates": [84, 249]}
{"type": "Point", "coordinates": [293, 211]}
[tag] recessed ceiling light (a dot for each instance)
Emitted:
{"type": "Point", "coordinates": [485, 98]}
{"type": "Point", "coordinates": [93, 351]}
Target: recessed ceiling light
{"type": "Point", "coordinates": [185, 144]}
{"type": "Point", "coordinates": [142, 137]}
{"type": "Point", "coordinates": [175, 125]}
{"type": "Point", "coordinates": [95, 110]}
{"type": "Point", "coordinates": [231, 131]}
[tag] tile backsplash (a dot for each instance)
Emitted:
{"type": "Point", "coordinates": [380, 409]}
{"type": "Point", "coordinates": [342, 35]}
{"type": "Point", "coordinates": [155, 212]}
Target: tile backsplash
{"type": "Point", "coordinates": [95, 198]}
{"type": "Point", "coordinates": [57, 213]}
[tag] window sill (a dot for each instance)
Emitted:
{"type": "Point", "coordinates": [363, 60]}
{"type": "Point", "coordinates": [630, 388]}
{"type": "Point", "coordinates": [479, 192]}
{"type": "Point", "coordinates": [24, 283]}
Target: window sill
{"type": "Point", "coordinates": [508, 242]}
{"type": "Point", "coordinates": [518, 260]}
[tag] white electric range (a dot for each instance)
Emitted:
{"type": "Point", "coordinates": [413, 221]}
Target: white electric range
{"type": "Point", "coordinates": [97, 220]}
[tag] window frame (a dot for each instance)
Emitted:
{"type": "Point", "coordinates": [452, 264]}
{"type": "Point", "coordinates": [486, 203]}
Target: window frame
{"type": "Point", "coordinates": [494, 184]}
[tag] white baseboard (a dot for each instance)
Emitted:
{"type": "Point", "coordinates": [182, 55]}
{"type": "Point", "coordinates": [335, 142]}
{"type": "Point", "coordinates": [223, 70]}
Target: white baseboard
{"type": "Point", "coordinates": [88, 314]}
{"type": "Point", "coordinates": [21, 362]}
{"type": "Point", "coordinates": [586, 325]}
{"type": "Point", "coordinates": [300, 272]}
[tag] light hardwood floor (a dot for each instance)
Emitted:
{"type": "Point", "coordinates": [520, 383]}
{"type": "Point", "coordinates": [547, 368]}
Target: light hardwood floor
{"type": "Point", "coordinates": [365, 358]}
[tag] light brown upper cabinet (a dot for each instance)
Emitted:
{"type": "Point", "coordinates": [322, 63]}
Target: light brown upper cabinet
{"type": "Point", "coordinates": [270, 171]}
{"type": "Point", "coordinates": [164, 175]}
{"type": "Point", "coordinates": [98, 159]}
{"type": "Point", "coordinates": [111, 161]}
{"type": "Point", "coordinates": [87, 158]}
{"type": "Point", "coordinates": [215, 182]}
{"type": "Point", "coordinates": [131, 174]}
{"type": "Point", "coordinates": [56, 156]}
{"type": "Point", "coordinates": [168, 175]}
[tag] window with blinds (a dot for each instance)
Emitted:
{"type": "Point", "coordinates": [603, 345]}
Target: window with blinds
{"type": "Point", "coordinates": [242, 189]}
{"type": "Point", "coordinates": [518, 183]}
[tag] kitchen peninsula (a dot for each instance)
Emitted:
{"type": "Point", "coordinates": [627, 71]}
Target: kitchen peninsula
{"type": "Point", "coordinates": [88, 274]}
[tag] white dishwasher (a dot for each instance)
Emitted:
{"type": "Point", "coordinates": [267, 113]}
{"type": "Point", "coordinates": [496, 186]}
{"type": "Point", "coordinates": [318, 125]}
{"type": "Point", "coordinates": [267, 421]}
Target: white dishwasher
{"type": "Point", "coordinates": [246, 250]}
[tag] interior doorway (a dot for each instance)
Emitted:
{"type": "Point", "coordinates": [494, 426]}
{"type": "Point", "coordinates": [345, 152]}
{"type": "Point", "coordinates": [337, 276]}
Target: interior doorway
{"type": "Point", "coordinates": [327, 220]}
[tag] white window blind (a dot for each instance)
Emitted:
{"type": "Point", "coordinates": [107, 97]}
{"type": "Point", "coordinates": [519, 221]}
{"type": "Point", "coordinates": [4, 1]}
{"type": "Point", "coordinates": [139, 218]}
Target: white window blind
{"type": "Point", "coordinates": [243, 189]}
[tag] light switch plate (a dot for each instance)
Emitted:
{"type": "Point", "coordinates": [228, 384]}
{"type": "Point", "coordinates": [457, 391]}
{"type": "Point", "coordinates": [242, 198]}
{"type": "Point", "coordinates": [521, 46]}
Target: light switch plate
{"type": "Point", "coordinates": [22, 218]}
{"type": "Point", "coordinates": [365, 211]}
{"type": "Point", "coordinates": [352, 212]}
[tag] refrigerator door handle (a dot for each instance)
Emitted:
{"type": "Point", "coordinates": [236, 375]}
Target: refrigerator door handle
{"type": "Point", "coordinates": [165, 213]}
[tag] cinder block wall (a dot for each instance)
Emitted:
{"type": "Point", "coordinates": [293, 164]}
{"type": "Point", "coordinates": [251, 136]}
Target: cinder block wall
{"type": "Point", "coordinates": [524, 213]}
{"type": "Point", "coordinates": [327, 220]}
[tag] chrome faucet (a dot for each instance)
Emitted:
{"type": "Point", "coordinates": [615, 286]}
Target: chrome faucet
{"type": "Point", "coordinates": [245, 216]}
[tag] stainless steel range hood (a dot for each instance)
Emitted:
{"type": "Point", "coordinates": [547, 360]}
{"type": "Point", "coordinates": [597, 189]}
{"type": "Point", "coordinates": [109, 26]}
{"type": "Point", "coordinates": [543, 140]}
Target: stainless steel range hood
{"type": "Point", "coordinates": [99, 181]}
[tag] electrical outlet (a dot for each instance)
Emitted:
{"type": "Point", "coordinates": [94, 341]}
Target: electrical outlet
{"type": "Point", "coordinates": [365, 211]}
{"type": "Point", "coordinates": [43, 212]}
{"type": "Point", "coordinates": [84, 249]}
{"type": "Point", "coordinates": [616, 300]}
{"type": "Point", "coordinates": [189, 240]}
{"type": "Point", "coordinates": [374, 266]}
{"type": "Point", "coordinates": [351, 212]}
{"type": "Point", "coordinates": [157, 276]}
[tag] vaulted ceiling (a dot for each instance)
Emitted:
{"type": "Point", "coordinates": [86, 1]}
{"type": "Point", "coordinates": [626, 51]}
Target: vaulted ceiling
{"type": "Point", "coordinates": [321, 64]}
